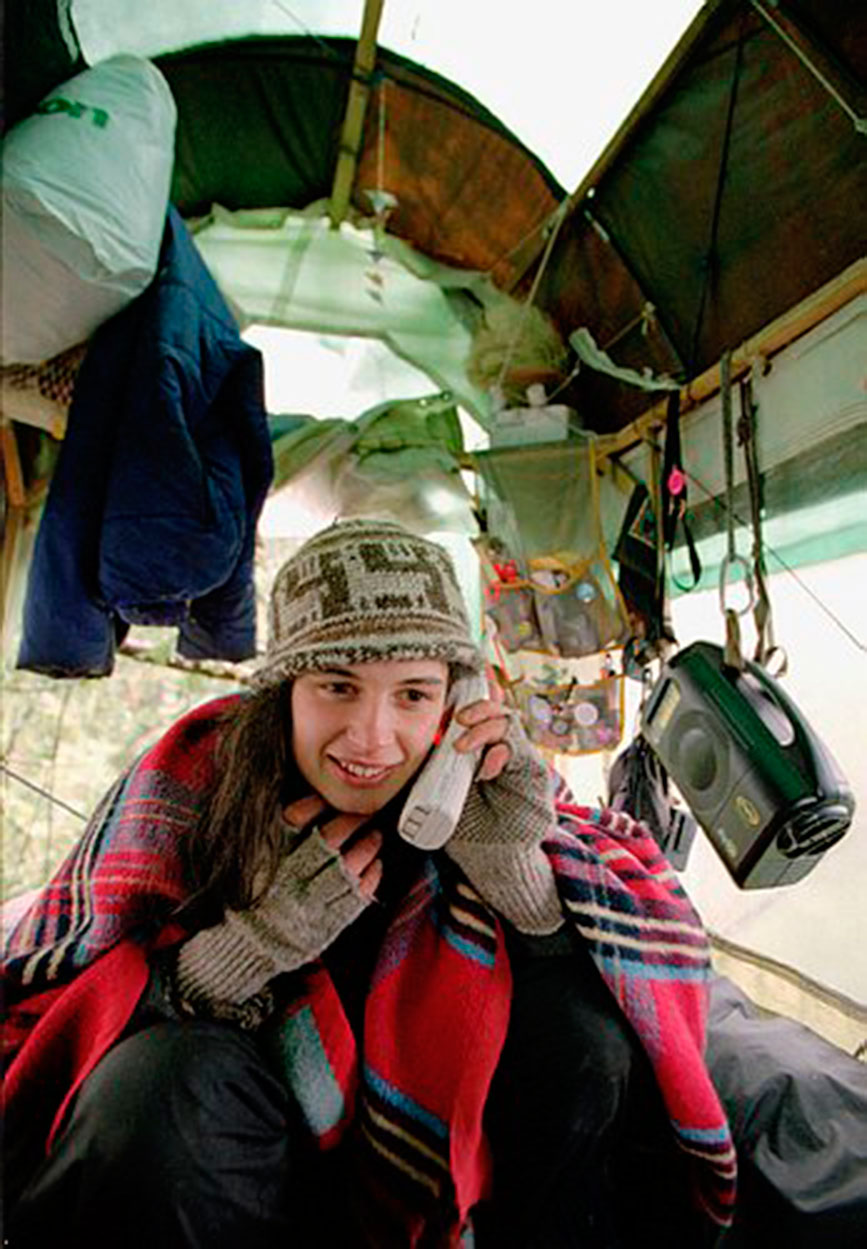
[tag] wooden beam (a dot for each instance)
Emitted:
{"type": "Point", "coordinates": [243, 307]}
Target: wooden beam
{"type": "Point", "coordinates": [766, 343]}
{"type": "Point", "coordinates": [14, 477]}
{"type": "Point", "coordinates": [662, 80]}
{"type": "Point", "coordinates": [356, 107]}
{"type": "Point", "coordinates": [16, 498]}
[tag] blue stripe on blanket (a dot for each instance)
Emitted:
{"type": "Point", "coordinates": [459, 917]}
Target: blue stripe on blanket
{"type": "Point", "coordinates": [412, 1144]}
{"type": "Point", "coordinates": [464, 921]}
{"type": "Point", "coordinates": [311, 1076]}
{"type": "Point", "coordinates": [653, 971]}
{"type": "Point", "coordinates": [704, 1136]}
{"type": "Point", "coordinates": [394, 1097]}
{"type": "Point", "coordinates": [467, 947]}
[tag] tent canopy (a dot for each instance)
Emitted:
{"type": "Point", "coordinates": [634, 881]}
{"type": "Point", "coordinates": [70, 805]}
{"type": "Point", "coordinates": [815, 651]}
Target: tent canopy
{"type": "Point", "coordinates": [734, 193]}
{"type": "Point", "coordinates": [735, 189]}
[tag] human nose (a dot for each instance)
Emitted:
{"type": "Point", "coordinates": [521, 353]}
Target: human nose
{"type": "Point", "coordinates": [371, 725]}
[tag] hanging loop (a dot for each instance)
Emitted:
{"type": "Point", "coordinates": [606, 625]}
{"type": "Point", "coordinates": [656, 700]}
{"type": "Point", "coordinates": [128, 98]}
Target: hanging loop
{"type": "Point", "coordinates": [775, 661]}
{"type": "Point", "coordinates": [727, 566]}
{"type": "Point", "coordinates": [766, 653]}
{"type": "Point", "coordinates": [732, 653]}
{"type": "Point", "coordinates": [728, 449]}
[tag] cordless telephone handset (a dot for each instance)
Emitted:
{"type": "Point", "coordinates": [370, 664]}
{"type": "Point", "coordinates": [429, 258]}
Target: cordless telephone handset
{"type": "Point", "coordinates": [435, 802]}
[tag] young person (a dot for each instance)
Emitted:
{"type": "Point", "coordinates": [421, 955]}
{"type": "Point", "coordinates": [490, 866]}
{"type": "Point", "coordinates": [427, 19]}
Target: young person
{"type": "Point", "coordinates": [247, 1011]}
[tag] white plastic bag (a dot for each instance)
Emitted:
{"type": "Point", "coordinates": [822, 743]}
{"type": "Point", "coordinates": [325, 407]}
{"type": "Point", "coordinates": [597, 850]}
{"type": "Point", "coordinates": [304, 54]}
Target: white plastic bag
{"type": "Point", "coordinates": [85, 193]}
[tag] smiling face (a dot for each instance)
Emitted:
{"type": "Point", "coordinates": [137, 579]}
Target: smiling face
{"type": "Point", "coordinates": [360, 733]}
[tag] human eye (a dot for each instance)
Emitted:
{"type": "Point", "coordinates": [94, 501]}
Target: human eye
{"type": "Point", "coordinates": [335, 687]}
{"type": "Point", "coordinates": [416, 697]}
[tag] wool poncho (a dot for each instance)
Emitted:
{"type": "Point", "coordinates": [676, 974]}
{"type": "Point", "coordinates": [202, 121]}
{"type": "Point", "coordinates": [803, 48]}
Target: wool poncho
{"type": "Point", "coordinates": [411, 1095]}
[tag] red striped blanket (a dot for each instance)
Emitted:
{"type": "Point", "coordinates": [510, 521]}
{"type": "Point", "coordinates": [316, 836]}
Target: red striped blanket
{"type": "Point", "coordinates": [76, 965]}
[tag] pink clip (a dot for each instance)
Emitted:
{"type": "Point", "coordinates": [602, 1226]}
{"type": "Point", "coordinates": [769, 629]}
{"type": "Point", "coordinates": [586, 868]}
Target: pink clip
{"type": "Point", "coordinates": [676, 481]}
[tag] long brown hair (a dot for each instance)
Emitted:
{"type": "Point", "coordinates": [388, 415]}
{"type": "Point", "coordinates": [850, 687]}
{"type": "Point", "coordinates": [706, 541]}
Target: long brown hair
{"type": "Point", "coordinates": [235, 846]}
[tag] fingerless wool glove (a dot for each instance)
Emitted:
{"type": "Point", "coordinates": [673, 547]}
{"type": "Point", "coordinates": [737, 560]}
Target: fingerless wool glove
{"type": "Point", "coordinates": [309, 903]}
{"type": "Point", "coordinates": [497, 842]}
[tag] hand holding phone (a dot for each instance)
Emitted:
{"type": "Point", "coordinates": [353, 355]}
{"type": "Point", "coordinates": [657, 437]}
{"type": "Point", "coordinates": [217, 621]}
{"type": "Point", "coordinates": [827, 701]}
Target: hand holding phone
{"type": "Point", "coordinates": [431, 811]}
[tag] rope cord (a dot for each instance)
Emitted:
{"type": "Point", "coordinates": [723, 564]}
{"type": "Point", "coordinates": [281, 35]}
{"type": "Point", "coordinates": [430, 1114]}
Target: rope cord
{"type": "Point", "coordinates": [860, 123]}
{"type": "Point", "coordinates": [545, 224]}
{"type": "Point", "coordinates": [710, 257]}
{"type": "Point", "coordinates": [47, 849]}
{"type": "Point", "coordinates": [733, 652]}
{"type": "Point", "coordinates": [304, 28]}
{"type": "Point", "coordinates": [762, 613]}
{"type": "Point", "coordinates": [559, 218]}
{"type": "Point", "coordinates": [787, 568]}
{"type": "Point", "coordinates": [43, 793]}
{"type": "Point", "coordinates": [725, 375]}
{"type": "Point", "coordinates": [573, 373]}
{"type": "Point", "coordinates": [380, 138]}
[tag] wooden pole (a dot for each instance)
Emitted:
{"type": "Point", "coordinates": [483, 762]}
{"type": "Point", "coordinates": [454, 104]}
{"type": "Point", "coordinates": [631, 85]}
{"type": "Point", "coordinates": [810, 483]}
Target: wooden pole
{"type": "Point", "coordinates": [16, 497]}
{"type": "Point", "coordinates": [356, 107]}
{"type": "Point", "coordinates": [527, 255]}
{"type": "Point", "coordinates": [766, 343]}
{"type": "Point", "coordinates": [15, 491]}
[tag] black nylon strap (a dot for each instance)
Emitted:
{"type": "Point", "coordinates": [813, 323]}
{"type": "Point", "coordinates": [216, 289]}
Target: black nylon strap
{"type": "Point", "coordinates": [674, 492]}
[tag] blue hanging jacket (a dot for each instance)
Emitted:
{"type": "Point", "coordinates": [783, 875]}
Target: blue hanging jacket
{"type": "Point", "coordinates": [152, 509]}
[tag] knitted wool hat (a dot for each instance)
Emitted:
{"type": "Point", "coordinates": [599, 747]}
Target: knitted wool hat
{"type": "Point", "coordinates": [365, 590]}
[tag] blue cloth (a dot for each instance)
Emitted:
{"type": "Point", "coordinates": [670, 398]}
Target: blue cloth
{"type": "Point", "coordinates": [152, 509]}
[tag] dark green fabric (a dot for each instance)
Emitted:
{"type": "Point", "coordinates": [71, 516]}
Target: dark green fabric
{"type": "Point", "coordinates": [258, 122]}
{"type": "Point", "coordinates": [35, 56]}
{"type": "Point", "coordinates": [259, 119]}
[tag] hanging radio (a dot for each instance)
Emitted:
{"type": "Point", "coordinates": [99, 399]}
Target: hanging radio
{"type": "Point", "coordinates": [759, 781]}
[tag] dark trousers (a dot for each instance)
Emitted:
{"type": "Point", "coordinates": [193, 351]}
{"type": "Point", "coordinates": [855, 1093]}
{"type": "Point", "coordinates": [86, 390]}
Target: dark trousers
{"type": "Point", "coordinates": [584, 1156]}
{"type": "Point", "coordinates": [183, 1138]}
